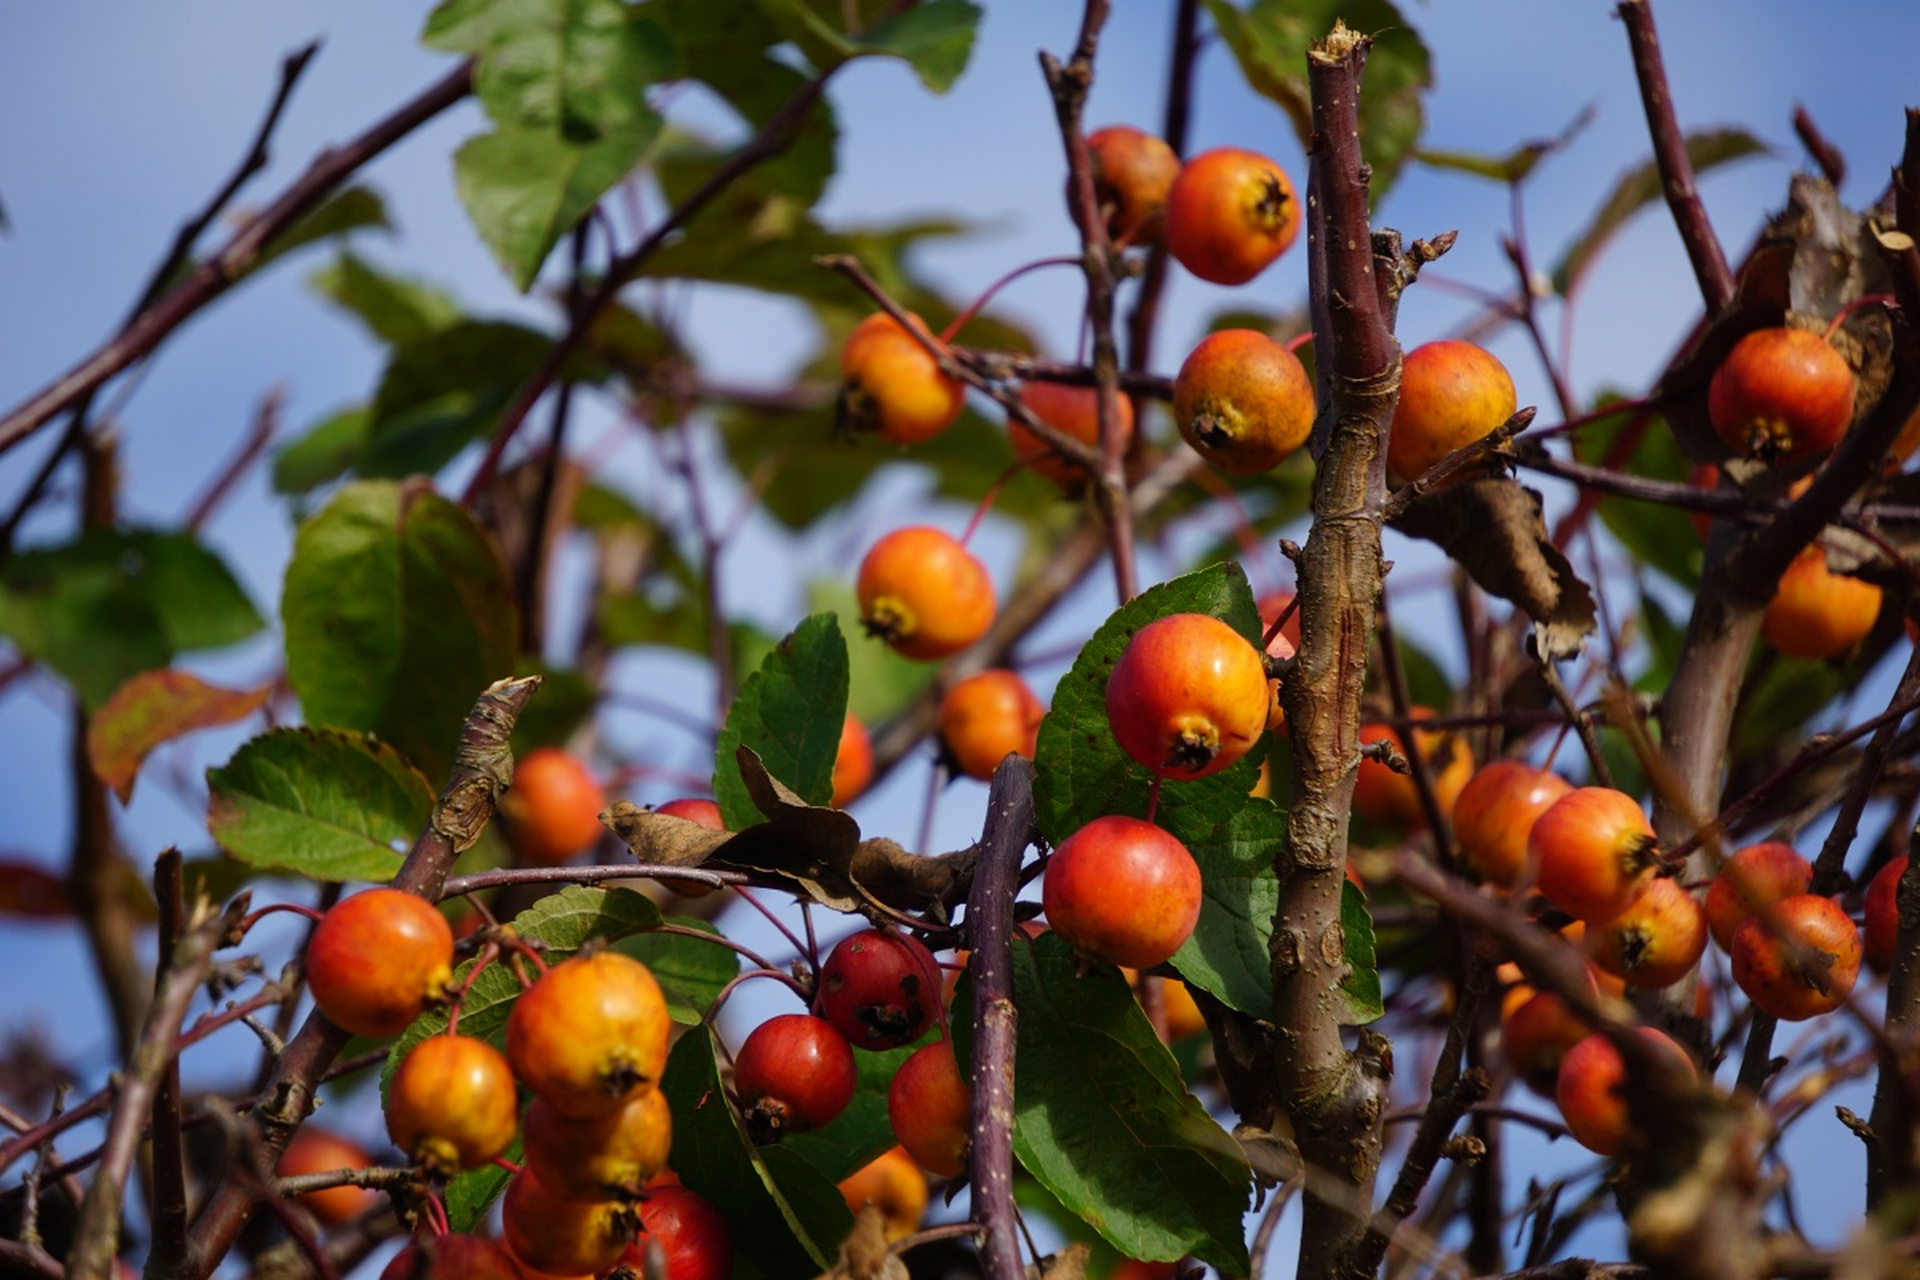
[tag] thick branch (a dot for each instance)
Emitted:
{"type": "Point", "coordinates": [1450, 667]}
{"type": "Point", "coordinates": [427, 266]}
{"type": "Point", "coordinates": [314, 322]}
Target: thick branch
{"type": "Point", "coordinates": [996, 879]}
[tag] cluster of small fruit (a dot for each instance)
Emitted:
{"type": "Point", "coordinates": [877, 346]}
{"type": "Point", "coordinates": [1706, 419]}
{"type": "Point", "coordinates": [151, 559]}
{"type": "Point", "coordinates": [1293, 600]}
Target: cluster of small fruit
{"type": "Point", "coordinates": [588, 1039]}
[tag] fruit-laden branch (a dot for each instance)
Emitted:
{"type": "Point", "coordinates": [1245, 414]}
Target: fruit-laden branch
{"type": "Point", "coordinates": [482, 768]}
{"type": "Point", "coordinates": [996, 879]}
{"type": "Point", "coordinates": [1336, 1099]}
{"type": "Point", "coordinates": [1069, 85]}
{"type": "Point", "coordinates": [213, 276]}
{"type": "Point", "coordinates": [97, 1234]}
{"type": "Point", "coordinates": [1670, 154]}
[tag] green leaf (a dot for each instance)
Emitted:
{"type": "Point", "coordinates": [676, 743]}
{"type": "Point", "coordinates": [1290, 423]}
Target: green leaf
{"type": "Point", "coordinates": [442, 391]}
{"type": "Point", "coordinates": [394, 309]}
{"type": "Point", "coordinates": [1270, 39]}
{"type": "Point", "coordinates": [862, 1131]}
{"type": "Point", "coordinates": [1516, 165]}
{"type": "Point", "coordinates": [1639, 187]}
{"type": "Point", "coordinates": [574, 68]}
{"type": "Point", "coordinates": [879, 681]}
{"type": "Point", "coordinates": [691, 973]}
{"type": "Point", "coordinates": [470, 1195]}
{"type": "Point", "coordinates": [1103, 1120]}
{"type": "Point", "coordinates": [525, 188]}
{"type": "Point", "coordinates": [326, 452]}
{"type": "Point", "coordinates": [352, 209]}
{"type": "Point", "coordinates": [1657, 535]}
{"type": "Point", "coordinates": [114, 603]}
{"type": "Point", "coordinates": [935, 38]}
{"type": "Point", "coordinates": [790, 712]}
{"type": "Point", "coordinates": [1227, 954]}
{"type": "Point", "coordinates": [1360, 989]}
{"type": "Point", "coordinates": [1080, 771]}
{"type": "Point", "coordinates": [786, 1217]}
{"type": "Point", "coordinates": [319, 802]}
{"type": "Point", "coordinates": [398, 614]}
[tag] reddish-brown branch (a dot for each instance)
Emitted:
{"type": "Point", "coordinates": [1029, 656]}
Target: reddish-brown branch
{"type": "Point", "coordinates": [1173, 131]}
{"type": "Point", "coordinates": [241, 252]}
{"type": "Point", "coordinates": [1670, 155]}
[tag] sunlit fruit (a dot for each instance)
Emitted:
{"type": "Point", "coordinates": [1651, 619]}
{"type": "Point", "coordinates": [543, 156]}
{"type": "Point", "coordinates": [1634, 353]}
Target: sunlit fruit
{"type": "Point", "coordinates": [924, 594]}
{"type": "Point", "coordinates": [1230, 214]}
{"type": "Point", "coordinates": [928, 1105]}
{"type": "Point", "coordinates": [1188, 696]}
{"type": "Point", "coordinates": [1132, 175]}
{"type": "Point", "coordinates": [1753, 877]}
{"type": "Point", "coordinates": [1656, 941]}
{"type": "Point", "coordinates": [1243, 401]}
{"type": "Point", "coordinates": [695, 809]}
{"type": "Point", "coordinates": [1798, 958]}
{"type": "Point", "coordinates": [1781, 394]}
{"type": "Point", "coordinates": [377, 959]}
{"type": "Point", "coordinates": [880, 989]}
{"type": "Point", "coordinates": [852, 762]}
{"type": "Point", "coordinates": [1593, 851]}
{"type": "Point", "coordinates": [1592, 1086]}
{"type": "Point", "coordinates": [794, 1072]}
{"type": "Point", "coordinates": [1123, 890]}
{"type": "Point", "coordinates": [894, 1184]}
{"type": "Point", "coordinates": [987, 717]}
{"type": "Point", "coordinates": [599, 1157]}
{"type": "Point", "coordinates": [689, 1232]}
{"type": "Point", "coordinates": [1816, 613]}
{"type": "Point", "coordinates": [1452, 393]}
{"type": "Point", "coordinates": [589, 1033]}
{"type": "Point", "coordinates": [1494, 814]}
{"type": "Point", "coordinates": [451, 1104]}
{"type": "Point", "coordinates": [553, 808]}
{"type": "Point", "coordinates": [1072, 411]}
{"type": "Point", "coordinates": [313, 1149]}
{"type": "Point", "coordinates": [1392, 799]}
{"type": "Point", "coordinates": [563, 1237]}
{"type": "Point", "coordinates": [1883, 916]}
{"type": "Point", "coordinates": [892, 385]}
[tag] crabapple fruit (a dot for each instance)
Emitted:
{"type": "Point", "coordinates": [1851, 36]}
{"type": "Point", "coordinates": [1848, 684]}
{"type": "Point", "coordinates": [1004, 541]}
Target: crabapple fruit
{"type": "Point", "coordinates": [589, 1033]}
{"type": "Point", "coordinates": [1593, 851]}
{"type": "Point", "coordinates": [1123, 890]}
{"type": "Point", "coordinates": [377, 959]}
{"type": "Point", "coordinates": [1072, 411]}
{"type": "Point", "coordinates": [1883, 915]}
{"type": "Point", "coordinates": [600, 1157]}
{"type": "Point", "coordinates": [689, 1231]}
{"type": "Point", "coordinates": [1132, 174]}
{"type": "Point", "coordinates": [1656, 941]}
{"type": "Point", "coordinates": [794, 1072]}
{"type": "Point", "coordinates": [1591, 1089]}
{"type": "Point", "coordinates": [891, 384]}
{"type": "Point", "coordinates": [1243, 401]}
{"type": "Point", "coordinates": [1452, 393]}
{"type": "Point", "coordinates": [1188, 696]}
{"type": "Point", "coordinates": [451, 1104]}
{"type": "Point", "coordinates": [1817, 613]}
{"type": "Point", "coordinates": [924, 594]}
{"type": "Point", "coordinates": [1781, 394]}
{"type": "Point", "coordinates": [1797, 958]}
{"type": "Point", "coordinates": [1493, 814]}
{"type": "Point", "coordinates": [1754, 877]}
{"type": "Point", "coordinates": [928, 1105]}
{"type": "Point", "coordinates": [987, 717]}
{"type": "Point", "coordinates": [553, 808]}
{"type": "Point", "coordinates": [879, 989]}
{"type": "Point", "coordinates": [316, 1150]}
{"type": "Point", "coordinates": [548, 1232]}
{"type": "Point", "coordinates": [852, 762]}
{"type": "Point", "coordinates": [894, 1184]}
{"type": "Point", "coordinates": [1230, 213]}
{"type": "Point", "coordinates": [1391, 799]}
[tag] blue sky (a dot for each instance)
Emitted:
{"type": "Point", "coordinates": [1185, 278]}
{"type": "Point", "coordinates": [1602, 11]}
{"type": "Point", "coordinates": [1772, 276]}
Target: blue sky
{"type": "Point", "coordinates": [124, 118]}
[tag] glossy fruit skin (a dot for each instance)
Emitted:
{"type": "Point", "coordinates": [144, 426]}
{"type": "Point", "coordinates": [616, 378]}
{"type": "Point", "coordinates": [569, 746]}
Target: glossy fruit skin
{"type": "Point", "coordinates": [452, 1105]}
{"type": "Point", "coordinates": [1781, 394]}
{"type": "Point", "coordinates": [1536, 1036]}
{"type": "Point", "coordinates": [550, 1233]}
{"type": "Point", "coordinates": [600, 1157]}
{"type": "Point", "coordinates": [693, 1237]}
{"type": "Point", "coordinates": [553, 809]}
{"type": "Point", "coordinates": [1769, 967]}
{"type": "Point", "coordinates": [1133, 173]}
{"type": "Point", "coordinates": [1752, 878]}
{"type": "Point", "coordinates": [695, 809]}
{"type": "Point", "coordinates": [1123, 890]}
{"type": "Point", "coordinates": [1243, 401]}
{"type": "Point", "coordinates": [589, 1033]}
{"type": "Point", "coordinates": [894, 1184]}
{"type": "Point", "coordinates": [892, 385]}
{"type": "Point", "coordinates": [794, 1072]}
{"type": "Point", "coordinates": [852, 762]}
{"type": "Point", "coordinates": [924, 594]}
{"type": "Point", "coordinates": [1593, 852]}
{"type": "Point", "coordinates": [1883, 916]}
{"type": "Point", "coordinates": [1230, 214]}
{"type": "Point", "coordinates": [987, 717]}
{"type": "Point", "coordinates": [1656, 941]}
{"type": "Point", "coordinates": [1591, 1089]}
{"type": "Point", "coordinates": [1494, 813]}
{"type": "Point", "coordinates": [1072, 411]}
{"type": "Point", "coordinates": [377, 959]}
{"type": "Point", "coordinates": [879, 989]}
{"type": "Point", "coordinates": [1451, 394]}
{"type": "Point", "coordinates": [1188, 696]}
{"type": "Point", "coordinates": [317, 1150]}
{"type": "Point", "coordinates": [928, 1105]}
{"type": "Point", "coordinates": [1816, 613]}
{"type": "Point", "coordinates": [1391, 799]}
{"type": "Point", "coordinates": [452, 1257]}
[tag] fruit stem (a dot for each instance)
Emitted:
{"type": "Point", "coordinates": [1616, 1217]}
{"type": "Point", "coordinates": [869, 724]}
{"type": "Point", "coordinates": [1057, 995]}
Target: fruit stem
{"type": "Point", "coordinates": [988, 499]}
{"type": "Point", "coordinates": [1302, 339]}
{"type": "Point", "coordinates": [254, 917]}
{"type": "Point", "coordinates": [959, 322]}
{"type": "Point", "coordinates": [1864, 300]}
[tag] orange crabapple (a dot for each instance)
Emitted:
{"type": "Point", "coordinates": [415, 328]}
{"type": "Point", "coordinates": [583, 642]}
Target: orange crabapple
{"type": "Point", "coordinates": [1188, 696]}
{"type": "Point", "coordinates": [891, 384]}
{"type": "Point", "coordinates": [378, 958]}
{"type": "Point", "coordinates": [1493, 814]}
{"type": "Point", "coordinates": [1231, 212]}
{"type": "Point", "coordinates": [1243, 401]}
{"type": "Point", "coordinates": [1072, 411]}
{"type": "Point", "coordinates": [548, 1232]}
{"type": "Point", "coordinates": [1594, 852]}
{"type": "Point", "coordinates": [852, 762]}
{"type": "Point", "coordinates": [1391, 799]}
{"type": "Point", "coordinates": [924, 594]}
{"type": "Point", "coordinates": [1797, 958]}
{"type": "Point", "coordinates": [894, 1184]}
{"type": "Point", "coordinates": [1753, 877]}
{"type": "Point", "coordinates": [451, 1104]}
{"type": "Point", "coordinates": [590, 1033]}
{"type": "Point", "coordinates": [987, 717]}
{"type": "Point", "coordinates": [1656, 940]}
{"type": "Point", "coordinates": [599, 1157]}
{"type": "Point", "coordinates": [552, 811]}
{"type": "Point", "coordinates": [1591, 1089]}
{"type": "Point", "coordinates": [1133, 173]}
{"type": "Point", "coordinates": [1452, 393]}
{"type": "Point", "coordinates": [1781, 394]}
{"type": "Point", "coordinates": [1817, 613]}
{"type": "Point", "coordinates": [1123, 890]}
